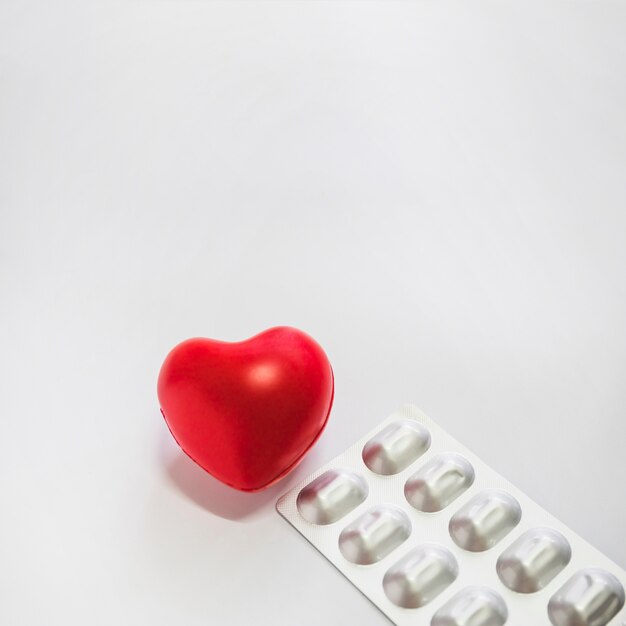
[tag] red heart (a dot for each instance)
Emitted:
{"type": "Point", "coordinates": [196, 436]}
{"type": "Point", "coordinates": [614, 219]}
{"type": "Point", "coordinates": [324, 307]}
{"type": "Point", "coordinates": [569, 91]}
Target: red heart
{"type": "Point", "coordinates": [247, 412]}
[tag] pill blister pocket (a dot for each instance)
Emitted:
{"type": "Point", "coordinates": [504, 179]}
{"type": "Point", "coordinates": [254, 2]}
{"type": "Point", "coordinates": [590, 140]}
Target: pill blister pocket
{"type": "Point", "coordinates": [434, 537]}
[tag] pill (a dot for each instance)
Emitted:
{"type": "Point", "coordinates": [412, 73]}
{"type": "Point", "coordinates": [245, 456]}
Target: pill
{"type": "Point", "coordinates": [472, 606]}
{"type": "Point", "coordinates": [485, 520]}
{"type": "Point", "coordinates": [591, 597]}
{"type": "Point", "coordinates": [331, 496]}
{"type": "Point", "coordinates": [420, 576]}
{"type": "Point", "coordinates": [395, 447]}
{"type": "Point", "coordinates": [533, 560]}
{"type": "Point", "coordinates": [439, 482]}
{"type": "Point", "coordinates": [373, 535]}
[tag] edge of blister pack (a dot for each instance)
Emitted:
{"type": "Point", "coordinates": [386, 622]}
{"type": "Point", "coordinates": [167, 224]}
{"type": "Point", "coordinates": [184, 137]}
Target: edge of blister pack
{"type": "Point", "coordinates": [474, 568]}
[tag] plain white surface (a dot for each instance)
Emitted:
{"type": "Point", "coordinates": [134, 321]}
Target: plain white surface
{"type": "Point", "coordinates": [434, 190]}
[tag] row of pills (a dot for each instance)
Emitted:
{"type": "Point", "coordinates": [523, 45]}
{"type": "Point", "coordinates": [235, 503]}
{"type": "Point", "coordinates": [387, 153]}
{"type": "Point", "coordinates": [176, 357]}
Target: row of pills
{"type": "Point", "coordinates": [590, 597]}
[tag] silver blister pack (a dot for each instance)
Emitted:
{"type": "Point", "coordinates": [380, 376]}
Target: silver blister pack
{"type": "Point", "coordinates": [434, 537]}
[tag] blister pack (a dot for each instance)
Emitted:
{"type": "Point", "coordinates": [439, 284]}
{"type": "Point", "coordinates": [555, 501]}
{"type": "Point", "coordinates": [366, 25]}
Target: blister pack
{"type": "Point", "coordinates": [434, 537]}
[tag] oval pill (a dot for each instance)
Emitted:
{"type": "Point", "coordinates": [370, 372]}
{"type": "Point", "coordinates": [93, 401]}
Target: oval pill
{"type": "Point", "coordinates": [591, 597]}
{"type": "Point", "coordinates": [395, 447]}
{"type": "Point", "coordinates": [331, 496]}
{"type": "Point", "coordinates": [485, 520]}
{"type": "Point", "coordinates": [373, 535]}
{"type": "Point", "coordinates": [472, 606]}
{"type": "Point", "coordinates": [420, 576]}
{"type": "Point", "coordinates": [533, 560]}
{"type": "Point", "coordinates": [438, 482]}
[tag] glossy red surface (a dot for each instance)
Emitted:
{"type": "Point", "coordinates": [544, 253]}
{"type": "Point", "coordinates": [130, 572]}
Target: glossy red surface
{"type": "Point", "coordinates": [247, 412]}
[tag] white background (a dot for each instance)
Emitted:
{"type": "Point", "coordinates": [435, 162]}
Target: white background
{"type": "Point", "coordinates": [436, 191]}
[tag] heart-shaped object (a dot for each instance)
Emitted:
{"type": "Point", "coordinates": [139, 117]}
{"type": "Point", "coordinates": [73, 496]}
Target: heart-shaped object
{"type": "Point", "coordinates": [247, 412]}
